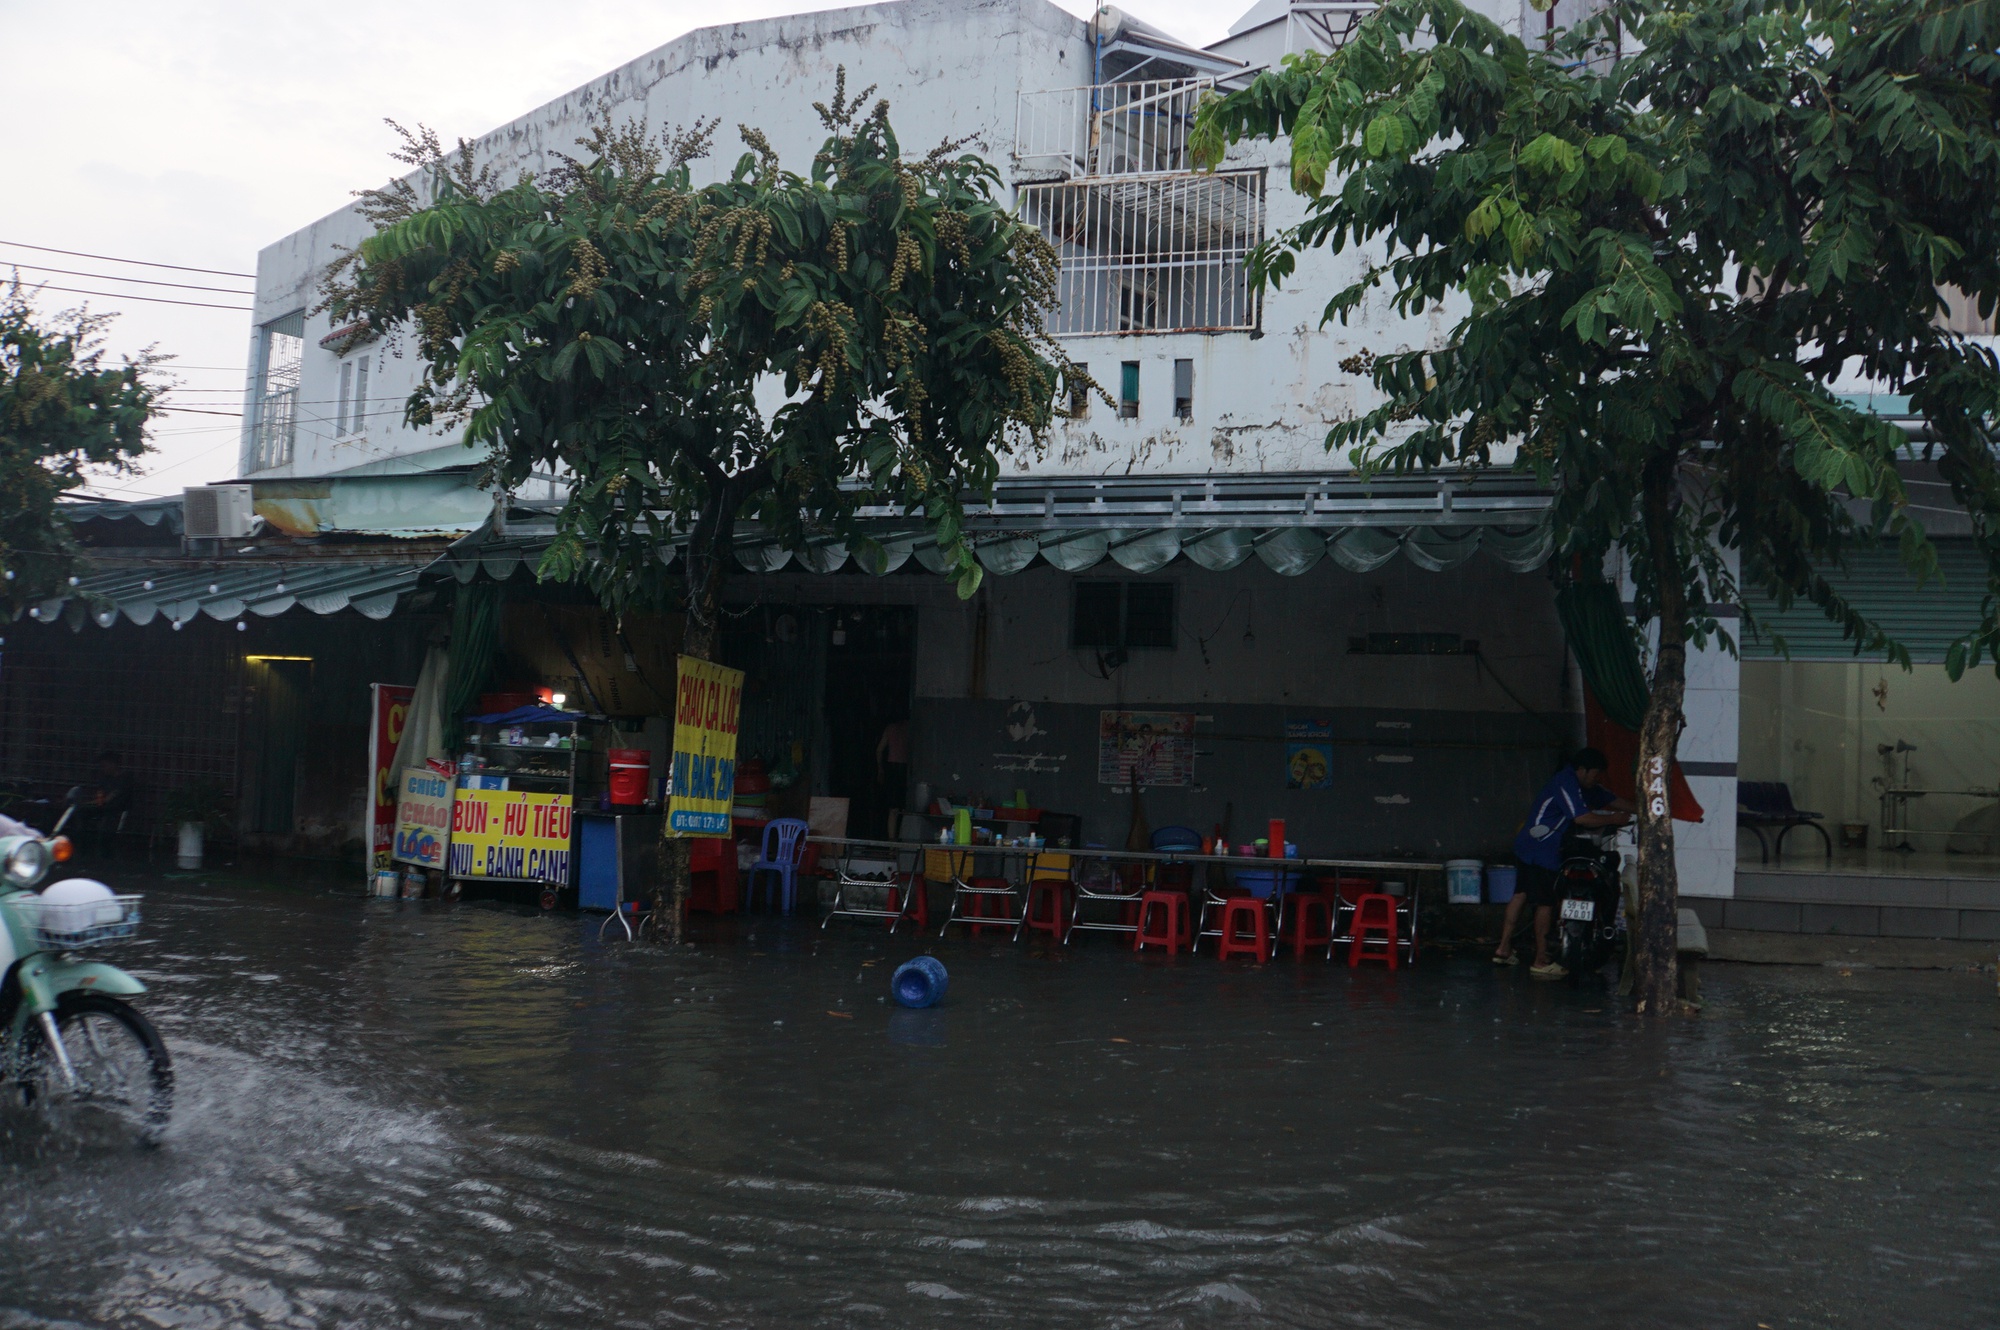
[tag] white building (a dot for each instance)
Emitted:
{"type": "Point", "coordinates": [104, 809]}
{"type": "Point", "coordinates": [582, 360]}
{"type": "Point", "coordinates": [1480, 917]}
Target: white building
{"type": "Point", "coordinates": [1195, 550]}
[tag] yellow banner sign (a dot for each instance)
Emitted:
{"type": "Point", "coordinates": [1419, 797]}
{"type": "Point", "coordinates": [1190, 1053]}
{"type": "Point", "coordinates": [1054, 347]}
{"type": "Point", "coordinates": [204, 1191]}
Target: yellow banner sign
{"type": "Point", "coordinates": [704, 770]}
{"type": "Point", "coordinates": [519, 835]}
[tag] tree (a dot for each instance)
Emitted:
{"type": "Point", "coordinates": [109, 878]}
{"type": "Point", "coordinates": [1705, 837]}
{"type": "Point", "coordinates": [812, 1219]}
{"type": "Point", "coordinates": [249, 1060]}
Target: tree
{"type": "Point", "coordinates": [1669, 232]}
{"type": "Point", "coordinates": [65, 411]}
{"type": "Point", "coordinates": [771, 346]}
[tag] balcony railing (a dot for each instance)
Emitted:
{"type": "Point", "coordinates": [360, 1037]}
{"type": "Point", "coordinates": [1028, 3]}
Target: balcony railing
{"type": "Point", "coordinates": [1110, 129]}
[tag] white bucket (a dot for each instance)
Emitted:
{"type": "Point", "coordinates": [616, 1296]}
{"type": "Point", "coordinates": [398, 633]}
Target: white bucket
{"type": "Point", "coordinates": [385, 882]}
{"type": "Point", "coordinates": [1461, 881]}
{"type": "Point", "coordinates": [187, 847]}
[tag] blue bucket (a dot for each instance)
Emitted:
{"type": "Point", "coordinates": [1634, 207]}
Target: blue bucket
{"type": "Point", "coordinates": [919, 983]}
{"type": "Point", "coordinates": [1499, 884]}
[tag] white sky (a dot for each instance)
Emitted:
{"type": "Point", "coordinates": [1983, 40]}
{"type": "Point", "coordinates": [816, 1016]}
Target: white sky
{"type": "Point", "coordinates": [197, 132]}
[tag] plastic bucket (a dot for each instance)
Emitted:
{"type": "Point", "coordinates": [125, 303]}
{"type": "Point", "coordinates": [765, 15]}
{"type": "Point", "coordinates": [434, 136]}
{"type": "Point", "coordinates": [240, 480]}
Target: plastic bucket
{"type": "Point", "coordinates": [919, 983]}
{"type": "Point", "coordinates": [1461, 881]}
{"type": "Point", "coordinates": [1500, 884]}
{"type": "Point", "coordinates": [630, 770]}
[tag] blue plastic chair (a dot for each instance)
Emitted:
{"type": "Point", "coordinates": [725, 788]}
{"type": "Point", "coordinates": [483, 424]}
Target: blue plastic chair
{"type": "Point", "coordinates": [784, 846]}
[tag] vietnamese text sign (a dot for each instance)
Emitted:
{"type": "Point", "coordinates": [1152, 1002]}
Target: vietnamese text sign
{"type": "Point", "coordinates": [517, 834]}
{"type": "Point", "coordinates": [423, 817]}
{"type": "Point", "coordinates": [703, 784]}
{"type": "Point", "coordinates": [1145, 748]}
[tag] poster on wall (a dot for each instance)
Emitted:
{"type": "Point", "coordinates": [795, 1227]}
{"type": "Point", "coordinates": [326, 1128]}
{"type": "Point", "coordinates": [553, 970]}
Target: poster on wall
{"type": "Point", "coordinates": [1145, 748]}
{"type": "Point", "coordinates": [389, 707]}
{"type": "Point", "coordinates": [423, 818]}
{"type": "Point", "coordinates": [1308, 755]}
{"type": "Point", "coordinates": [517, 835]}
{"type": "Point", "coordinates": [702, 786]}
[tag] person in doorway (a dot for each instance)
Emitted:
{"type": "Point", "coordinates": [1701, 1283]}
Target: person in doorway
{"type": "Point", "coordinates": [892, 767]}
{"type": "Point", "coordinates": [1574, 797]}
{"type": "Point", "coordinates": [105, 801]}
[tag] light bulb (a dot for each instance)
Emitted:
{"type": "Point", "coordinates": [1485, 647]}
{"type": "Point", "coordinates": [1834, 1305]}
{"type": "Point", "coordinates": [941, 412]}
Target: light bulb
{"type": "Point", "coordinates": [213, 587]}
{"type": "Point", "coordinates": [557, 699]}
{"type": "Point", "coordinates": [242, 627]}
{"type": "Point", "coordinates": [177, 625]}
{"type": "Point", "coordinates": [148, 584]}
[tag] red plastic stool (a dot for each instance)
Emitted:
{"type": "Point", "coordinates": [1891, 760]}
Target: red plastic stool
{"type": "Point", "coordinates": [915, 903]}
{"type": "Point", "coordinates": [1163, 922]}
{"type": "Point", "coordinates": [1250, 910]}
{"type": "Point", "coordinates": [989, 904]}
{"type": "Point", "coordinates": [1310, 924]}
{"type": "Point", "coordinates": [1374, 917]}
{"type": "Point", "coordinates": [1047, 910]}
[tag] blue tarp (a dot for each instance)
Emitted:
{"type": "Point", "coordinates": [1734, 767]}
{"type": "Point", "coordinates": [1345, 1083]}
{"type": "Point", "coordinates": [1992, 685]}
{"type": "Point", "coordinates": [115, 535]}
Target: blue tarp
{"type": "Point", "coordinates": [525, 715]}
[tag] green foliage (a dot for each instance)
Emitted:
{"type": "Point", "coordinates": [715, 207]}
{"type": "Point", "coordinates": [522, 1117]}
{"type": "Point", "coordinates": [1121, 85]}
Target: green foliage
{"type": "Point", "coordinates": [772, 346]}
{"type": "Point", "coordinates": [1672, 231]}
{"type": "Point", "coordinates": [64, 411]}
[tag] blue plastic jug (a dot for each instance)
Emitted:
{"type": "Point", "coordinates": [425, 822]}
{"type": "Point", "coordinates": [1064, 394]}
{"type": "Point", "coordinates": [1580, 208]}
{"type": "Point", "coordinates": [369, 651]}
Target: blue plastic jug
{"type": "Point", "coordinates": [919, 983]}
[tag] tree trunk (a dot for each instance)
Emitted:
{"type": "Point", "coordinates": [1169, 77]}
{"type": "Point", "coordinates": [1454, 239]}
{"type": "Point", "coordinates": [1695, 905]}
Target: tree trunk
{"type": "Point", "coordinates": [1655, 941]}
{"type": "Point", "coordinates": [710, 546]}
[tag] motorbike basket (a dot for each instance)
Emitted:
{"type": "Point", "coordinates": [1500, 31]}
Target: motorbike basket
{"type": "Point", "coordinates": [67, 927]}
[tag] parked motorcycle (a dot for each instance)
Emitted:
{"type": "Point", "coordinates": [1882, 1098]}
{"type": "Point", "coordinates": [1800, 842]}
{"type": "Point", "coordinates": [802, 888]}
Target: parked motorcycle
{"type": "Point", "coordinates": [1589, 890]}
{"type": "Point", "coordinates": [69, 1044]}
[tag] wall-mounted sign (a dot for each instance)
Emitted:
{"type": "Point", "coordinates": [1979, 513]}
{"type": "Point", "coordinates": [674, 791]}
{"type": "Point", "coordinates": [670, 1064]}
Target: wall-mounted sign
{"type": "Point", "coordinates": [702, 786]}
{"type": "Point", "coordinates": [1145, 748]}
{"type": "Point", "coordinates": [1308, 755]}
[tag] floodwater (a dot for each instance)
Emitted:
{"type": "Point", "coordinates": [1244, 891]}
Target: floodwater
{"type": "Point", "coordinates": [399, 1114]}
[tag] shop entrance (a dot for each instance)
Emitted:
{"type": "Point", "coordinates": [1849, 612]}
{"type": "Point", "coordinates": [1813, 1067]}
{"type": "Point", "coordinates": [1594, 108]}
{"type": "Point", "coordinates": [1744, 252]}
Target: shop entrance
{"type": "Point", "coordinates": [281, 687]}
{"type": "Point", "coordinates": [868, 664]}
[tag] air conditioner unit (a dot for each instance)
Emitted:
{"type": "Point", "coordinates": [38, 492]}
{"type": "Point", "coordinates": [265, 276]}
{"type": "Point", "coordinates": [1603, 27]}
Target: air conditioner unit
{"type": "Point", "coordinates": [217, 512]}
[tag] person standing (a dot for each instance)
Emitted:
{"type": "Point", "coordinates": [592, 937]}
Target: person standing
{"type": "Point", "coordinates": [892, 768]}
{"type": "Point", "coordinates": [1574, 797]}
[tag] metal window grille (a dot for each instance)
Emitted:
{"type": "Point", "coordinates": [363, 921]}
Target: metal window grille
{"type": "Point", "coordinates": [274, 423]}
{"type": "Point", "coordinates": [1138, 128]}
{"type": "Point", "coordinates": [1153, 255]}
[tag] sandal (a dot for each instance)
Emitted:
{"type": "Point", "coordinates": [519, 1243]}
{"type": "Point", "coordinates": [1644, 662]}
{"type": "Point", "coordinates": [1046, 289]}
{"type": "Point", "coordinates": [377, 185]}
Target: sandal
{"type": "Point", "coordinates": [1509, 959]}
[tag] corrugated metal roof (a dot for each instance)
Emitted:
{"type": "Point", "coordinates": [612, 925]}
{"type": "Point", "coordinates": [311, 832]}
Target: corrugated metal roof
{"type": "Point", "coordinates": [1925, 620]}
{"type": "Point", "coordinates": [162, 589]}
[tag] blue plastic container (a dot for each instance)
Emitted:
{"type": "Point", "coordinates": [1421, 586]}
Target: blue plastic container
{"type": "Point", "coordinates": [1499, 883]}
{"type": "Point", "coordinates": [919, 983]}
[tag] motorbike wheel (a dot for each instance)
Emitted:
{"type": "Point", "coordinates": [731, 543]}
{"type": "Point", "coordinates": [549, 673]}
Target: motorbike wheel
{"type": "Point", "coordinates": [123, 1071]}
{"type": "Point", "coordinates": [1575, 947]}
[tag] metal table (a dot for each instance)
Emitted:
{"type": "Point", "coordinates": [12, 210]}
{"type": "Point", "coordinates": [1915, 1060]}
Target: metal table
{"type": "Point", "coordinates": [1896, 808]}
{"type": "Point", "coordinates": [964, 854]}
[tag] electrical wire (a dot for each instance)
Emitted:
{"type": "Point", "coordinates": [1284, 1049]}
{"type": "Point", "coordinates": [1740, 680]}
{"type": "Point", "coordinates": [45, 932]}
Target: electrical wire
{"type": "Point", "coordinates": [141, 263]}
{"type": "Point", "coordinates": [155, 300]}
{"type": "Point", "coordinates": [141, 281]}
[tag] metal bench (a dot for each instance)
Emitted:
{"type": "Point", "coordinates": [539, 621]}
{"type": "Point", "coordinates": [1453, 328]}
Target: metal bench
{"type": "Point", "coordinates": [1762, 803]}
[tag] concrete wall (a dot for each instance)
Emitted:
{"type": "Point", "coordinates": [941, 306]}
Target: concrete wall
{"type": "Point", "coordinates": [951, 68]}
{"type": "Point", "coordinates": [1432, 755]}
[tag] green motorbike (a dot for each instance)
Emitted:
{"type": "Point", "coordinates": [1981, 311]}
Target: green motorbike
{"type": "Point", "coordinates": [71, 1047]}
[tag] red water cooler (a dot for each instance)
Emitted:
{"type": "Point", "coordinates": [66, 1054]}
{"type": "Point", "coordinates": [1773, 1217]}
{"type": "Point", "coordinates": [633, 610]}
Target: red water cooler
{"type": "Point", "coordinates": [630, 768]}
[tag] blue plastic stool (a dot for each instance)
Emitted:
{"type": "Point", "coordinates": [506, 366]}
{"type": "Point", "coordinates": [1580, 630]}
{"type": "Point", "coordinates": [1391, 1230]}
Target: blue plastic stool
{"type": "Point", "coordinates": [919, 983]}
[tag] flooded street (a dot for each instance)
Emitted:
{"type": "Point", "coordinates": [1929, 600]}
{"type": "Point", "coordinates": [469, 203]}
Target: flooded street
{"type": "Point", "coordinates": [403, 1114]}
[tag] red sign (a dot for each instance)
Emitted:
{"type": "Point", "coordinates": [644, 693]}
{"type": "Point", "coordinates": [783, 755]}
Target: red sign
{"type": "Point", "coordinates": [391, 708]}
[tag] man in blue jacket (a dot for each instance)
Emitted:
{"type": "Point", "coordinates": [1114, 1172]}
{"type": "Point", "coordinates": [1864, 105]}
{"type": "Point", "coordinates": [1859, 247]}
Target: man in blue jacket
{"type": "Point", "coordinates": [1574, 797]}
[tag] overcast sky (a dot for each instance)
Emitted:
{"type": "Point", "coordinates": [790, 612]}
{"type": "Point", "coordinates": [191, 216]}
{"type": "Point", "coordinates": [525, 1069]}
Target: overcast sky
{"type": "Point", "coordinates": [196, 132]}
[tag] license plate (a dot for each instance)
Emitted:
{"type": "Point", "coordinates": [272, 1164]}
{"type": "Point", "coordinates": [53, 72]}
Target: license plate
{"type": "Point", "coordinates": [1580, 909]}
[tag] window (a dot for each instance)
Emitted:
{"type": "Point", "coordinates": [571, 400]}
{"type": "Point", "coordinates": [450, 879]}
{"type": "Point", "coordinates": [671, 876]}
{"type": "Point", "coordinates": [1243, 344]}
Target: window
{"type": "Point", "coordinates": [1152, 253]}
{"type": "Point", "coordinates": [357, 418]}
{"type": "Point", "coordinates": [1184, 390]}
{"type": "Point", "coordinates": [274, 407]}
{"type": "Point", "coordinates": [1122, 616]}
{"type": "Point", "coordinates": [1079, 394]}
{"type": "Point", "coordinates": [346, 394]}
{"type": "Point", "coordinates": [1128, 390]}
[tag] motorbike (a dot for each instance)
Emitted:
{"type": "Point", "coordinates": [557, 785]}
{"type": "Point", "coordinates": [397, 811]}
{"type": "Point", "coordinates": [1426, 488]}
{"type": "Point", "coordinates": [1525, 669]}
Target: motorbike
{"type": "Point", "coordinates": [70, 1045]}
{"type": "Point", "coordinates": [1590, 925]}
